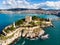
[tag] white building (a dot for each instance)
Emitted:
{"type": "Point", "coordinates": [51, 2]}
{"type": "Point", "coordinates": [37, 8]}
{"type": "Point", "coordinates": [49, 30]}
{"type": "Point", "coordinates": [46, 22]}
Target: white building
{"type": "Point", "coordinates": [14, 25]}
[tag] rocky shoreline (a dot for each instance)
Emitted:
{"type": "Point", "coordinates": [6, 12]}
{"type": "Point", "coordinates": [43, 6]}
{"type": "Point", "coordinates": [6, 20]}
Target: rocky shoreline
{"type": "Point", "coordinates": [30, 29]}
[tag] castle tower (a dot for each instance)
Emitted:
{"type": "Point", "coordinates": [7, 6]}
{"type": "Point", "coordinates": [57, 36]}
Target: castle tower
{"type": "Point", "coordinates": [28, 19]}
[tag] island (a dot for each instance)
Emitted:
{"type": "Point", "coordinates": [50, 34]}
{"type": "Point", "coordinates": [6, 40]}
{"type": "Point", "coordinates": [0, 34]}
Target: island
{"type": "Point", "coordinates": [31, 27]}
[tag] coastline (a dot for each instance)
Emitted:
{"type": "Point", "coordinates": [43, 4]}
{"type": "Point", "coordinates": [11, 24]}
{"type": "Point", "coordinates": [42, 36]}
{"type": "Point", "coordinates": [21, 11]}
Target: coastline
{"type": "Point", "coordinates": [8, 41]}
{"type": "Point", "coordinates": [29, 31]}
{"type": "Point", "coordinates": [17, 39]}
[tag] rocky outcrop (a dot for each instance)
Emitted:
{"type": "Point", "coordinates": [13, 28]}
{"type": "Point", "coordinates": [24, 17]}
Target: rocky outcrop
{"type": "Point", "coordinates": [16, 34]}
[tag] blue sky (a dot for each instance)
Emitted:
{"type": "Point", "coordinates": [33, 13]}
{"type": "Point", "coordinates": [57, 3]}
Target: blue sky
{"type": "Point", "coordinates": [38, 1]}
{"type": "Point", "coordinates": [45, 4]}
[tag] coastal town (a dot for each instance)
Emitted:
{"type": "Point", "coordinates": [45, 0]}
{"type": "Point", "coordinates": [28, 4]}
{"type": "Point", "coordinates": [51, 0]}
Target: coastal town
{"type": "Point", "coordinates": [31, 27]}
{"type": "Point", "coordinates": [30, 11]}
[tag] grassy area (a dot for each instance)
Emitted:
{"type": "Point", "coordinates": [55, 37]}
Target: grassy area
{"type": "Point", "coordinates": [9, 29]}
{"type": "Point", "coordinates": [19, 22]}
{"type": "Point", "coordinates": [2, 37]}
{"type": "Point", "coordinates": [6, 30]}
{"type": "Point", "coordinates": [32, 23]}
{"type": "Point", "coordinates": [34, 17]}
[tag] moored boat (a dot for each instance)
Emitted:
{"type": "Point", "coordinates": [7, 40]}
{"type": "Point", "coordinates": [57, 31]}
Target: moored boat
{"type": "Point", "coordinates": [45, 36]}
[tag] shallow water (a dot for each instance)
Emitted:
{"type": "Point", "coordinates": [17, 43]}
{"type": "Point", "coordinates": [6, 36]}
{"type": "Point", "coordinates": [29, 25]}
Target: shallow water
{"type": "Point", "coordinates": [54, 33]}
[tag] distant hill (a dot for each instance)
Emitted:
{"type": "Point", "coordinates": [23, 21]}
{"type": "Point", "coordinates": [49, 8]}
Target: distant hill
{"type": "Point", "coordinates": [20, 9]}
{"type": "Point", "coordinates": [58, 14]}
{"type": "Point", "coordinates": [27, 11]}
{"type": "Point", "coordinates": [15, 9]}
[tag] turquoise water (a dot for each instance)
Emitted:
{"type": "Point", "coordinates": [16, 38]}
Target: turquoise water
{"type": "Point", "coordinates": [54, 33]}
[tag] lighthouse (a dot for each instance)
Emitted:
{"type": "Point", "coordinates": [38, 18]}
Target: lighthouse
{"type": "Point", "coordinates": [14, 25]}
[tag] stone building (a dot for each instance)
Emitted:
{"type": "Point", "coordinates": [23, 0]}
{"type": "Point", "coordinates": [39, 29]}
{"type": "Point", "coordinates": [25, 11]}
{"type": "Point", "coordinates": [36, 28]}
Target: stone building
{"type": "Point", "coordinates": [28, 19]}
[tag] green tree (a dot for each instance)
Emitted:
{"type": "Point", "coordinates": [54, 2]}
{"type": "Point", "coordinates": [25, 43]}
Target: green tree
{"type": "Point", "coordinates": [32, 23]}
{"type": "Point", "coordinates": [19, 22]}
{"type": "Point", "coordinates": [34, 17]}
{"type": "Point", "coordinates": [12, 27]}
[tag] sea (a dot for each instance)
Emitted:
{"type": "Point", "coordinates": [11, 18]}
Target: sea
{"type": "Point", "coordinates": [54, 32]}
